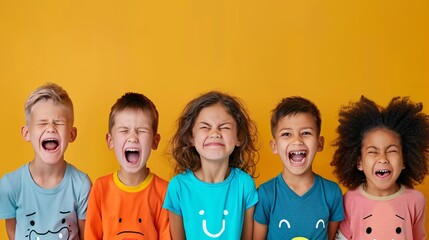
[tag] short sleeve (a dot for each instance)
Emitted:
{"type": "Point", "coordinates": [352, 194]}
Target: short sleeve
{"type": "Point", "coordinates": [7, 198]}
{"type": "Point", "coordinates": [172, 198]}
{"type": "Point", "coordinates": [337, 210]}
{"type": "Point", "coordinates": [252, 194]}
{"type": "Point", "coordinates": [82, 201]}
{"type": "Point", "coordinates": [262, 209]}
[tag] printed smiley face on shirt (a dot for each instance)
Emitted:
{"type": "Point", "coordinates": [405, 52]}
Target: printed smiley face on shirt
{"type": "Point", "coordinates": [213, 233]}
{"type": "Point", "coordinates": [285, 224]}
{"type": "Point", "coordinates": [36, 232]}
{"type": "Point", "coordinates": [129, 228]}
{"type": "Point", "coordinates": [384, 223]}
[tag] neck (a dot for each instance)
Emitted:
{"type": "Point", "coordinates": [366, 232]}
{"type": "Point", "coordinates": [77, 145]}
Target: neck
{"type": "Point", "coordinates": [300, 184]}
{"type": "Point", "coordinates": [133, 179]}
{"type": "Point", "coordinates": [213, 173]}
{"type": "Point", "coordinates": [47, 175]}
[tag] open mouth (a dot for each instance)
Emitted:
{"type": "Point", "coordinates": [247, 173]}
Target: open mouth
{"type": "Point", "coordinates": [297, 157]}
{"type": "Point", "coordinates": [50, 144]}
{"type": "Point", "coordinates": [132, 155]}
{"type": "Point", "coordinates": [382, 173]}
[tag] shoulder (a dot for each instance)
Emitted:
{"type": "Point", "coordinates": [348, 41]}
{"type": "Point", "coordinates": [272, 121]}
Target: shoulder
{"type": "Point", "coordinates": [414, 195]}
{"type": "Point", "coordinates": [16, 177]}
{"type": "Point", "coordinates": [75, 173]}
{"type": "Point", "coordinates": [270, 184]}
{"type": "Point", "coordinates": [77, 178]}
{"type": "Point", "coordinates": [159, 182]}
{"type": "Point", "coordinates": [328, 183]}
{"type": "Point", "coordinates": [17, 173]}
{"type": "Point", "coordinates": [241, 174]}
{"type": "Point", "coordinates": [106, 179]}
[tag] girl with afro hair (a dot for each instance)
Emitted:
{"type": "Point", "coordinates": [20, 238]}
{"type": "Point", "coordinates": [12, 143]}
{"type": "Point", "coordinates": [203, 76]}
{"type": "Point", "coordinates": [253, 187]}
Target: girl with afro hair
{"type": "Point", "coordinates": [381, 154]}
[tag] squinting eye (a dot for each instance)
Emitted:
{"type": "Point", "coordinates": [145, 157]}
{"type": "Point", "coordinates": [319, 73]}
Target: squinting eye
{"type": "Point", "coordinates": [285, 134]}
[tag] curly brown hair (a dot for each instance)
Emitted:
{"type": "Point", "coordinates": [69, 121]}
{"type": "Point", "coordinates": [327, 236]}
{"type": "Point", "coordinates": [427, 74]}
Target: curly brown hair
{"type": "Point", "coordinates": [186, 156]}
{"type": "Point", "coordinates": [401, 116]}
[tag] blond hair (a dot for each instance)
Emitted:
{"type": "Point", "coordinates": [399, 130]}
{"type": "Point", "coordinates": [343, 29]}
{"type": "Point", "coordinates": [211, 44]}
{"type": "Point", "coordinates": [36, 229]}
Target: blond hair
{"type": "Point", "coordinates": [48, 92]}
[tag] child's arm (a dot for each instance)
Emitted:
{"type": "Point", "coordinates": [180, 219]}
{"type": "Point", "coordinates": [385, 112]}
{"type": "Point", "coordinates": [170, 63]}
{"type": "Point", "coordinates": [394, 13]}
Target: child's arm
{"type": "Point", "coordinates": [176, 226]}
{"type": "Point", "coordinates": [332, 230]}
{"type": "Point", "coordinates": [81, 226]}
{"type": "Point", "coordinates": [248, 224]}
{"type": "Point", "coordinates": [10, 228]}
{"type": "Point", "coordinates": [259, 231]}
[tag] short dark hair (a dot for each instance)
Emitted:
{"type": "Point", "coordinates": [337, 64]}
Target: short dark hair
{"type": "Point", "coordinates": [294, 105]}
{"type": "Point", "coordinates": [134, 101]}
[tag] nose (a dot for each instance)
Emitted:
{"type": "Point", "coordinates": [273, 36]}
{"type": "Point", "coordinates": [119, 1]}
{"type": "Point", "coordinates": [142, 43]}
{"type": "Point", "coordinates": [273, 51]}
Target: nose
{"type": "Point", "coordinates": [132, 138]}
{"type": "Point", "coordinates": [51, 128]}
{"type": "Point", "coordinates": [297, 140]}
{"type": "Point", "coordinates": [383, 159]}
{"type": "Point", "coordinates": [214, 133]}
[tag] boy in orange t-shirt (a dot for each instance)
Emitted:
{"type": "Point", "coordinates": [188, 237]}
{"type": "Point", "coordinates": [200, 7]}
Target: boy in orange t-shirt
{"type": "Point", "coordinates": [128, 203]}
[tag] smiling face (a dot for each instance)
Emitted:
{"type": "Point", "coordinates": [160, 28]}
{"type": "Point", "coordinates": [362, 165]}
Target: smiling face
{"type": "Point", "coordinates": [49, 129]}
{"type": "Point", "coordinates": [296, 142]}
{"type": "Point", "coordinates": [381, 161]}
{"type": "Point", "coordinates": [132, 139]}
{"type": "Point", "coordinates": [215, 134]}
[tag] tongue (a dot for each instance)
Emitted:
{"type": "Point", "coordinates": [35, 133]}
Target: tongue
{"type": "Point", "coordinates": [132, 157]}
{"type": "Point", "coordinates": [50, 145]}
{"type": "Point", "coordinates": [297, 157]}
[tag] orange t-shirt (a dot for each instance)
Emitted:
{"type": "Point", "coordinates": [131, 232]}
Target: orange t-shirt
{"type": "Point", "coordinates": [116, 211]}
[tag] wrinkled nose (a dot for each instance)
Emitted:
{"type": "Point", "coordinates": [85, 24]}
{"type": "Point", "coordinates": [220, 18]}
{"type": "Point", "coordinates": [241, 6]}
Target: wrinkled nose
{"type": "Point", "coordinates": [214, 134]}
{"type": "Point", "coordinates": [51, 128]}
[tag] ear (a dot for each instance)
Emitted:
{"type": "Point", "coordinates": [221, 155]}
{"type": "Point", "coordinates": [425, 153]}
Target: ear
{"type": "Point", "coordinates": [320, 143]}
{"type": "Point", "coordinates": [273, 145]}
{"type": "Point", "coordinates": [25, 133]}
{"type": "Point", "coordinates": [155, 141]}
{"type": "Point", "coordinates": [109, 141]}
{"type": "Point", "coordinates": [359, 165]}
{"type": "Point", "coordinates": [73, 134]}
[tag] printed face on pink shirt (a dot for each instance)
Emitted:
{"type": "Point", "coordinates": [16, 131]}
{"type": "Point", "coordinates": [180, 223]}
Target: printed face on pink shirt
{"type": "Point", "coordinates": [383, 223]}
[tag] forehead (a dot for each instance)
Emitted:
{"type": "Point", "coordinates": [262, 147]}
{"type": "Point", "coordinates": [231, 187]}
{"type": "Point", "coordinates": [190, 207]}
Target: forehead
{"type": "Point", "coordinates": [297, 120]}
{"type": "Point", "coordinates": [381, 136]}
{"type": "Point", "coordinates": [214, 112]}
{"type": "Point", "coordinates": [47, 108]}
{"type": "Point", "coordinates": [133, 115]}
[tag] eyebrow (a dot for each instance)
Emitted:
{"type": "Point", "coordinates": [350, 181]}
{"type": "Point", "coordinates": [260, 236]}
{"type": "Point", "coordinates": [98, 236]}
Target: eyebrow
{"type": "Point", "coordinates": [31, 214]}
{"type": "Point", "coordinates": [370, 215]}
{"type": "Point", "coordinates": [64, 212]}
{"type": "Point", "coordinates": [400, 217]}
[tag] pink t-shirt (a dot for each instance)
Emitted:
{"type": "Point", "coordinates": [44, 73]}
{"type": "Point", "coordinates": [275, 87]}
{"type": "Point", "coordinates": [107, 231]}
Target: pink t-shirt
{"type": "Point", "coordinates": [398, 216]}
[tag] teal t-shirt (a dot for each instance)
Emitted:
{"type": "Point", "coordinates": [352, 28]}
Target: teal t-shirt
{"type": "Point", "coordinates": [211, 210]}
{"type": "Point", "coordinates": [44, 213]}
{"type": "Point", "coordinates": [288, 215]}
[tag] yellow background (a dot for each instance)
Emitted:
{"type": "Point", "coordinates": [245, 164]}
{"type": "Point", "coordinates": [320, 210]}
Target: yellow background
{"type": "Point", "coordinates": [261, 51]}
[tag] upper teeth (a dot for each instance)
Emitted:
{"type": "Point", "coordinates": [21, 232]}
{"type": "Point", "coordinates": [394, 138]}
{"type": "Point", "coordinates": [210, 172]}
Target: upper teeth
{"type": "Point", "coordinates": [383, 171]}
{"type": "Point", "coordinates": [296, 153]}
{"type": "Point", "coordinates": [132, 150]}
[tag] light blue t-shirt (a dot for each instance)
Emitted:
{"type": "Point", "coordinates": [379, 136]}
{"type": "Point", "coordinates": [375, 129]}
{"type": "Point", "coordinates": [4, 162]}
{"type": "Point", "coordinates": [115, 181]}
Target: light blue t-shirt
{"type": "Point", "coordinates": [44, 213]}
{"type": "Point", "coordinates": [211, 210]}
{"type": "Point", "coordinates": [289, 215]}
